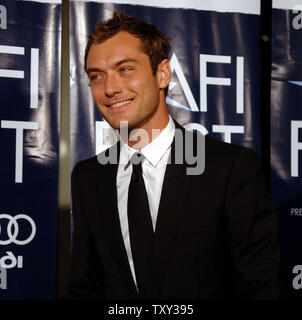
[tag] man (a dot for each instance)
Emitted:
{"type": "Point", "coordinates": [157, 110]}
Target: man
{"type": "Point", "coordinates": [146, 229]}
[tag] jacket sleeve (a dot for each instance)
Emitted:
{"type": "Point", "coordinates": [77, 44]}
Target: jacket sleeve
{"type": "Point", "coordinates": [86, 272]}
{"type": "Point", "coordinates": [252, 230]}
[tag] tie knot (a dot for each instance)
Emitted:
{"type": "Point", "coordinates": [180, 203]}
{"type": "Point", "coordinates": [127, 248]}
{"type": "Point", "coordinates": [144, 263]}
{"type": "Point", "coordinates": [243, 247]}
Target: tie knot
{"type": "Point", "coordinates": [137, 158]}
{"type": "Point", "coordinates": [136, 161]}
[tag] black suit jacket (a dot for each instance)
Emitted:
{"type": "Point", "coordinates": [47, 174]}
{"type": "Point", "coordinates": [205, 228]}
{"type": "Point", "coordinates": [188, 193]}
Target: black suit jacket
{"type": "Point", "coordinates": [216, 235]}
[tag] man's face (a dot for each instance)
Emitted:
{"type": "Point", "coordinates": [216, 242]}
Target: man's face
{"type": "Point", "coordinates": [122, 83]}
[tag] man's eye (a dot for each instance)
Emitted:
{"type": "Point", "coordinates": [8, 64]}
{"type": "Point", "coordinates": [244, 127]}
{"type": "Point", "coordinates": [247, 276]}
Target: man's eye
{"type": "Point", "coordinates": [125, 69]}
{"type": "Point", "coordinates": [94, 77]}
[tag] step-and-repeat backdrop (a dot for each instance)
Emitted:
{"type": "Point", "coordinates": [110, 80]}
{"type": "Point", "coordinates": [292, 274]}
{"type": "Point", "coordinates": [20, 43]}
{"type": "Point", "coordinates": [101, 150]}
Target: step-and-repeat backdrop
{"type": "Point", "coordinates": [215, 88]}
{"type": "Point", "coordinates": [286, 135]}
{"type": "Point", "coordinates": [30, 39]}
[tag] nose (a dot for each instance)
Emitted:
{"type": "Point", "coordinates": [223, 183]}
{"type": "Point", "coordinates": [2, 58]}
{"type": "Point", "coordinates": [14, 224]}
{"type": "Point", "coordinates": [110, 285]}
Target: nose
{"type": "Point", "coordinates": [112, 85]}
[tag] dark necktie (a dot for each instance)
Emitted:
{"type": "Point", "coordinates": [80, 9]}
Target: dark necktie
{"type": "Point", "coordinates": [140, 227]}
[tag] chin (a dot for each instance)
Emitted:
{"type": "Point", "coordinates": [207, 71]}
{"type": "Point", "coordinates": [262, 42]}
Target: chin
{"type": "Point", "coordinates": [116, 124]}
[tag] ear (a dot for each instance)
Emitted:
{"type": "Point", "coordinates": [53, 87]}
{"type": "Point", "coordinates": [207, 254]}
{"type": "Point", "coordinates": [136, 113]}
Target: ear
{"type": "Point", "coordinates": [163, 74]}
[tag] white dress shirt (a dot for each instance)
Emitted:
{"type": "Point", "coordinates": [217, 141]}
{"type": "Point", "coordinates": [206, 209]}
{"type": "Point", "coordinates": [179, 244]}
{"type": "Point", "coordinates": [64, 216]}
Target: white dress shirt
{"type": "Point", "coordinates": [156, 155]}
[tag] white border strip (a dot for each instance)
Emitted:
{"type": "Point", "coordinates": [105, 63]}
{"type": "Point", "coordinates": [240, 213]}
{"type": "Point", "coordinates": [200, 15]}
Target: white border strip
{"type": "Point", "coordinates": [45, 1]}
{"type": "Point", "coordinates": [246, 6]}
{"type": "Point", "coordinates": [287, 4]}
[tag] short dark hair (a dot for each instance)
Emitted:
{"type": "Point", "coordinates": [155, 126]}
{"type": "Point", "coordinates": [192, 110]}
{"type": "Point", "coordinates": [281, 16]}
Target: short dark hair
{"type": "Point", "coordinates": [154, 43]}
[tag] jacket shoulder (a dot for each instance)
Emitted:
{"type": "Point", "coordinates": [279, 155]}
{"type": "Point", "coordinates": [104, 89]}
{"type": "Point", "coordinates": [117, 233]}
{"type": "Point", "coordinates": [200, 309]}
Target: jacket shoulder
{"type": "Point", "coordinates": [216, 148]}
{"type": "Point", "coordinates": [224, 157]}
{"type": "Point", "coordinates": [225, 149]}
{"type": "Point", "coordinates": [85, 166]}
{"type": "Point", "coordinates": [95, 165]}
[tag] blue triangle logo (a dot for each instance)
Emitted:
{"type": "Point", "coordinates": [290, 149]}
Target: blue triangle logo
{"type": "Point", "coordinates": [298, 83]}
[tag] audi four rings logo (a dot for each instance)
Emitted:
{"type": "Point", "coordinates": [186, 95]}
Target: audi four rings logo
{"type": "Point", "coordinates": [13, 229]}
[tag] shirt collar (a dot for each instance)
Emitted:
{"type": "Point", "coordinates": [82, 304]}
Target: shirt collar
{"type": "Point", "coordinates": [154, 151]}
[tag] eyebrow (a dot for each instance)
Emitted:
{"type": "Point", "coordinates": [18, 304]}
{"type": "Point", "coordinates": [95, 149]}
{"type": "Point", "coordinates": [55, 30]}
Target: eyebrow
{"type": "Point", "coordinates": [115, 65]}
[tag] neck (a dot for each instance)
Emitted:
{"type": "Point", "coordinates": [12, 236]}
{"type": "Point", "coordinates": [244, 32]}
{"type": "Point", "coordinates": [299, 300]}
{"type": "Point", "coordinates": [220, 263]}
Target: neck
{"type": "Point", "coordinates": [138, 138]}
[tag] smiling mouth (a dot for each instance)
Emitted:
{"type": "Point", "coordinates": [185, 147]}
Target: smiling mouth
{"type": "Point", "coordinates": [119, 104]}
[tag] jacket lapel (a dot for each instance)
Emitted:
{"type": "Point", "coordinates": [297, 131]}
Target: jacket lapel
{"type": "Point", "coordinates": [106, 189]}
{"type": "Point", "coordinates": [171, 204]}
